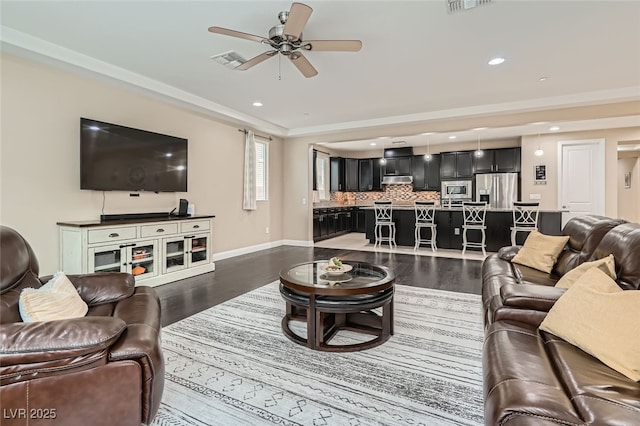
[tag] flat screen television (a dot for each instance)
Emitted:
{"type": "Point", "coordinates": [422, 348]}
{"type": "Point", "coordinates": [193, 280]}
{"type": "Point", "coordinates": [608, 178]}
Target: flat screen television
{"type": "Point", "coordinates": [119, 158]}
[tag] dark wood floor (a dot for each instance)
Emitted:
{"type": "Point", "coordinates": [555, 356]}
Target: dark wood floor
{"type": "Point", "coordinates": [241, 274]}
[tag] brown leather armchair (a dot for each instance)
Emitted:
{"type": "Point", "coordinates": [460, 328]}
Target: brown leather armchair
{"type": "Point", "coordinates": [102, 369]}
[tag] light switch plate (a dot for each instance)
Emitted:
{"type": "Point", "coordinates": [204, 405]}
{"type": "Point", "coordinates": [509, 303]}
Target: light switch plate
{"type": "Point", "coordinates": [534, 196]}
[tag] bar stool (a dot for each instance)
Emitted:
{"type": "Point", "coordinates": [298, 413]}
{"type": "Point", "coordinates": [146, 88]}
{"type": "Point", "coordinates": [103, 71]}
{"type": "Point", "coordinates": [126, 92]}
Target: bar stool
{"type": "Point", "coordinates": [425, 218]}
{"type": "Point", "coordinates": [473, 215]}
{"type": "Point", "coordinates": [384, 213]}
{"type": "Point", "coordinates": [525, 218]}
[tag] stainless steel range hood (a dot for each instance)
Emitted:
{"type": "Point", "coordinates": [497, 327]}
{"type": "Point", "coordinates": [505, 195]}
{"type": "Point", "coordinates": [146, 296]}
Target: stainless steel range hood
{"type": "Point", "coordinates": [396, 180]}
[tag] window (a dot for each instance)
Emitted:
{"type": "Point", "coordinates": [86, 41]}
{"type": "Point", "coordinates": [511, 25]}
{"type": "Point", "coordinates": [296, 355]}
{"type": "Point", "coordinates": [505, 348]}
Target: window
{"type": "Point", "coordinates": [322, 176]}
{"type": "Point", "coordinates": [262, 171]}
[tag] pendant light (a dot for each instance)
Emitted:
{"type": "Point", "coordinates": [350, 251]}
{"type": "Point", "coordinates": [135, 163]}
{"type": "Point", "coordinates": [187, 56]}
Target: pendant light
{"type": "Point", "coordinates": [428, 156]}
{"type": "Point", "coordinates": [539, 152]}
{"type": "Point", "coordinates": [383, 160]}
{"type": "Point", "coordinates": [478, 152]}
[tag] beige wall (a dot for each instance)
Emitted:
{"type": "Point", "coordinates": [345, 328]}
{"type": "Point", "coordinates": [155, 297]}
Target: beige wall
{"type": "Point", "coordinates": [39, 160]}
{"type": "Point", "coordinates": [629, 198]}
{"type": "Point", "coordinates": [549, 144]}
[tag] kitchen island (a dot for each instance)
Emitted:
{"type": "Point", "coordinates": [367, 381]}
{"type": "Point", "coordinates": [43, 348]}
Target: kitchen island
{"type": "Point", "coordinates": [449, 222]}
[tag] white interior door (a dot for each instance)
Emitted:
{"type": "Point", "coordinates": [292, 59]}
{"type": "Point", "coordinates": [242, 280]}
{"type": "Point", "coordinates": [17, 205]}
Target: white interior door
{"type": "Point", "coordinates": [581, 177]}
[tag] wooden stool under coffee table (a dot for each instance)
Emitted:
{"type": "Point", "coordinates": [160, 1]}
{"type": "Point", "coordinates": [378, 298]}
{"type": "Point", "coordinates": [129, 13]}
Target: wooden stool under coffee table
{"type": "Point", "coordinates": [329, 304]}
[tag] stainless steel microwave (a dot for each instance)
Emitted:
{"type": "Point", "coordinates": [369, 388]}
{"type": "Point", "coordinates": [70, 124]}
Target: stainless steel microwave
{"type": "Point", "coordinates": [456, 190]}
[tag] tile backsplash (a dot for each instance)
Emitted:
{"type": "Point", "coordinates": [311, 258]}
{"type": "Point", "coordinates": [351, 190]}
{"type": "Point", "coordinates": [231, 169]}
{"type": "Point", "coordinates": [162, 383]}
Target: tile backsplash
{"type": "Point", "coordinates": [401, 192]}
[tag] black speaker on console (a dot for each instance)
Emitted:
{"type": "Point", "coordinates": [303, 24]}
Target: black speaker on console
{"type": "Point", "coordinates": [182, 209]}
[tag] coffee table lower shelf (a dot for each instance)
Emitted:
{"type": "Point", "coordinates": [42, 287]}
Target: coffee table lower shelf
{"type": "Point", "coordinates": [325, 316]}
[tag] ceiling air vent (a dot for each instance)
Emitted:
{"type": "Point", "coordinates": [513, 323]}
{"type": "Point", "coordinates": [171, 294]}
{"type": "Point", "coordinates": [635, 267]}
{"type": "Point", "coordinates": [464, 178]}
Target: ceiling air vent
{"type": "Point", "coordinates": [460, 5]}
{"type": "Point", "coordinates": [229, 59]}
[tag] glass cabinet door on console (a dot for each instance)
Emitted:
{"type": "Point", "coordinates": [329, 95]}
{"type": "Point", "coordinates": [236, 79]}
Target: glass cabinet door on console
{"type": "Point", "coordinates": [139, 259]}
{"type": "Point", "coordinates": [198, 249]}
{"type": "Point", "coordinates": [107, 259]}
{"type": "Point", "coordinates": [175, 256]}
{"type": "Point", "coordinates": [184, 252]}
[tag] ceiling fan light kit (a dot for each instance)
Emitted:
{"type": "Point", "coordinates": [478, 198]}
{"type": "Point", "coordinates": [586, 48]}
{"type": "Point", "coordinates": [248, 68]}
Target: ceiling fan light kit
{"type": "Point", "coordinates": [286, 39]}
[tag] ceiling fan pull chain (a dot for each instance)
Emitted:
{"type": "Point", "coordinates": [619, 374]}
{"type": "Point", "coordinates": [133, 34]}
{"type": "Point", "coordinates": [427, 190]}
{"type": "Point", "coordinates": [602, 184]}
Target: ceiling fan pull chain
{"type": "Point", "coordinates": [279, 67]}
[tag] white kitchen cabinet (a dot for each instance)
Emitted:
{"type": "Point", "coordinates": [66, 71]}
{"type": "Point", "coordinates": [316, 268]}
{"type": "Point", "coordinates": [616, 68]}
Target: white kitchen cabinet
{"type": "Point", "coordinates": [155, 251]}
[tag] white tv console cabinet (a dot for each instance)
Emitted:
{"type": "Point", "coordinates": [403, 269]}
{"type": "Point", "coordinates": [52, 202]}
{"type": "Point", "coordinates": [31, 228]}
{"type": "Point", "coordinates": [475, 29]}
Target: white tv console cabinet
{"type": "Point", "coordinates": [156, 250]}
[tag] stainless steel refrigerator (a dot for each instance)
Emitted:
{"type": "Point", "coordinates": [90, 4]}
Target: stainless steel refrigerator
{"type": "Point", "coordinates": [498, 190]}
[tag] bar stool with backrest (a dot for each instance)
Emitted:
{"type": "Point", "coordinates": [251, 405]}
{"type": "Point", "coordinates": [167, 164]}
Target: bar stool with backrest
{"type": "Point", "coordinates": [425, 218]}
{"type": "Point", "coordinates": [525, 218]}
{"type": "Point", "coordinates": [384, 218]}
{"type": "Point", "coordinates": [473, 214]}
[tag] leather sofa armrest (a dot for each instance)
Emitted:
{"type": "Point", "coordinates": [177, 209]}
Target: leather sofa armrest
{"type": "Point", "coordinates": [526, 316]}
{"type": "Point", "coordinates": [530, 296]}
{"type": "Point", "coordinates": [508, 253]}
{"type": "Point", "coordinates": [34, 341]}
{"type": "Point", "coordinates": [103, 287]}
{"type": "Point", "coordinates": [52, 346]}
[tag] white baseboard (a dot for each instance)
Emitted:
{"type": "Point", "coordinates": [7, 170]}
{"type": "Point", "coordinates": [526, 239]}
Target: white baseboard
{"type": "Point", "coordinates": [251, 249]}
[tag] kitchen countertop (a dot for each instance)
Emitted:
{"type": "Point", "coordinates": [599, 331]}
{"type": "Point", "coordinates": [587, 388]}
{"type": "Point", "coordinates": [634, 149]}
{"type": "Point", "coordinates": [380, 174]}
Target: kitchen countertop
{"type": "Point", "coordinates": [459, 208]}
{"type": "Point", "coordinates": [368, 205]}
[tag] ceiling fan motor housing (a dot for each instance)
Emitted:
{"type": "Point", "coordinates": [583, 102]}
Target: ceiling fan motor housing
{"type": "Point", "coordinates": [281, 42]}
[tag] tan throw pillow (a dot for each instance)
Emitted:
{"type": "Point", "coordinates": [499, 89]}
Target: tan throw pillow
{"type": "Point", "coordinates": [57, 299]}
{"type": "Point", "coordinates": [540, 251]}
{"type": "Point", "coordinates": [606, 265]}
{"type": "Point", "coordinates": [599, 317]}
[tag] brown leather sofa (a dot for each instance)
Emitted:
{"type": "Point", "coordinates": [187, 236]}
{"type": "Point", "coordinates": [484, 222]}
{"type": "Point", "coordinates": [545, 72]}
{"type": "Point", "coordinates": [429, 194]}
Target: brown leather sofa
{"type": "Point", "coordinates": [535, 378]}
{"type": "Point", "coordinates": [102, 369]}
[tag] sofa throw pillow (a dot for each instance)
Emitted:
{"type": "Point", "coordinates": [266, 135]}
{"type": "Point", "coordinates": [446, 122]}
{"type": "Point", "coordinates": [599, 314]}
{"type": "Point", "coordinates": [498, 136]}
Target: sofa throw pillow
{"type": "Point", "coordinates": [606, 265]}
{"type": "Point", "coordinates": [595, 314]}
{"type": "Point", "coordinates": [57, 299]}
{"type": "Point", "coordinates": [540, 251]}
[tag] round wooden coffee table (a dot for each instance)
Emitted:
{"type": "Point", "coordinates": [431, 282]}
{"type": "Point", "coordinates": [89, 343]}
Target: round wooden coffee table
{"type": "Point", "coordinates": [329, 304]}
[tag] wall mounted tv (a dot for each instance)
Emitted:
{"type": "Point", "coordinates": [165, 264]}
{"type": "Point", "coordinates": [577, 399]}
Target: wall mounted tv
{"type": "Point", "coordinates": [118, 158]}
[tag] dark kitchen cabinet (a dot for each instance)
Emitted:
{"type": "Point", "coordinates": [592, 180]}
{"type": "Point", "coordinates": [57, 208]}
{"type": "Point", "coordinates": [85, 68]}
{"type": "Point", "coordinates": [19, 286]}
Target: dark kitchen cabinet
{"type": "Point", "coordinates": [331, 222]}
{"type": "Point", "coordinates": [426, 173]}
{"type": "Point", "coordinates": [456, 165]}
{"type": "Point", "coordinates": [365, 175]}
{"type": "Point", "coordinates": [507, 160]}
{"type": "Point", "coordinates": [336, 174]}
{"type": "Point", "coordinates": [498, 160]}
{"type": "Point", "coordinates": [360, 223]}
{"type": "Point", "coordinates": [351, 174]}
{"type": "Point", "coordinates": [400, 166]}
{"type": "Point", "coordinates": [377, 174]}
{"type": "Point", "coordinates": [370, 174]}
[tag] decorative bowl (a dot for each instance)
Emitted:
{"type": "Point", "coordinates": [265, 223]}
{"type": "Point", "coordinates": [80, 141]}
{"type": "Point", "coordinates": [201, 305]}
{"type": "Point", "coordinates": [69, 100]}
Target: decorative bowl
{"type": "Point", "coordinates": [334, 271]}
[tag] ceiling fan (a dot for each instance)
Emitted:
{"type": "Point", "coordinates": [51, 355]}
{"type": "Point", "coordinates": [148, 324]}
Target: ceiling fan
{"type": "Point", "coordinates": [286, 39]}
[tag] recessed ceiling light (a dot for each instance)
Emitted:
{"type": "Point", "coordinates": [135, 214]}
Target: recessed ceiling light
{"type": "Point", "coordinates": [496, 61]}
{"type": "Point", "coordinates": [257, 104]}
{"type": "Point", "coordinates": [542, 79]}
{"type": "Point", "coordinates": [452, 137]}
{"type": "Point", "coordinates": [554, 128]}
{"type": "Point", "coordinates": [383, 137]}
{"type": "Point", "coordinates": [427, 133]}
{"type": "Point", "coordinates": [480, 128]}
{"type": "Point", "coordinates": [373, 144]}
{"type": "Point", "coordinates": [538, 123]}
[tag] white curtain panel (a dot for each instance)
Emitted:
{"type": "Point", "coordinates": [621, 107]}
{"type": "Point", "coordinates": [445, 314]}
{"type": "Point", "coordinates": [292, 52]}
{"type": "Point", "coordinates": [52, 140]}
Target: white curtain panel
{"type": "Point", "coordinates": [249, 196]}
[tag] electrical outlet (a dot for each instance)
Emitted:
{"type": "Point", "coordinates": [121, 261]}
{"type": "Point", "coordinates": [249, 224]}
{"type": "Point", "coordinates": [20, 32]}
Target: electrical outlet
{"type": "Point", "coordinates": [266, 230]}
{"type": "Point", "coordinates": [456, 231]}
{"type": "Point", "coordinates": [534, 196]}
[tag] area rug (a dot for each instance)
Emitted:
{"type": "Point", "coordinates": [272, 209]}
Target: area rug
{"type": "Point", "coordinates": [232, 365]}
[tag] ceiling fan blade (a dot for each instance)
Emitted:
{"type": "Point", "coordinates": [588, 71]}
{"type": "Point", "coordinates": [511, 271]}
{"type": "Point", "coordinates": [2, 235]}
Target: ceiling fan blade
{"type": "Point", "coordinates": [333, 45]}
{"type": "Point", "coordinates": [256, 60]}
{"type": "Point", "coordinates": [305, 67]}
{"type": "Point", "coordinates": [298, 16]}
{"type": "Point", "coordinates": [233, 33]}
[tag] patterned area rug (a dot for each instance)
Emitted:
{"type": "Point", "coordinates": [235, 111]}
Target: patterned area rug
{"type": "Point", "coordinates": [232, 365]}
